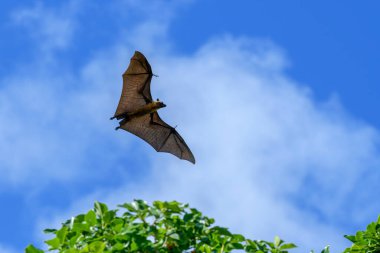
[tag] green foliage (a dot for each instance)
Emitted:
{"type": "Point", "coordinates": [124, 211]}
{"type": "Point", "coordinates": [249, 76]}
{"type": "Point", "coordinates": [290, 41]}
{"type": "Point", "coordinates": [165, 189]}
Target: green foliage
{"type": "Point", "coordinates": [169, 227]}
{"type": "Point", "coordinates": [162, 227]}
{"type": "Point", "coordinates": [325, 250]}
{"type": "Point", "coordinates": [367, 241]}
{"type": "Point", "coordinates": [32, 249]}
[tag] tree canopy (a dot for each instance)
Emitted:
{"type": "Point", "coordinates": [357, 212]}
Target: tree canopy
{"type": "Point", "coordinates": [168, 227]}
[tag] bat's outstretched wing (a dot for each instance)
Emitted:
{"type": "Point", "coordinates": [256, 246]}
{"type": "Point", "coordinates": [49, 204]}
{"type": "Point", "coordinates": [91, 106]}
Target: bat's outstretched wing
{"type": "Point", "coordinates": [136, 85]}
{"type": "Point", "coordinates": [160, 135]}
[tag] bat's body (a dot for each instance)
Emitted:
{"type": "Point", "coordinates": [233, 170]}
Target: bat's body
{"type": "Point", "coordinates": [143, 110]}
{"type": "Point", "coordinates": [138, 112]}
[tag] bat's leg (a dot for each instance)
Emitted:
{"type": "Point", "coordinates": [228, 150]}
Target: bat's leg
{"type": "Point", "coordinates": [120, 116]}
{"type": "Point", "coordinates": [124, 121]}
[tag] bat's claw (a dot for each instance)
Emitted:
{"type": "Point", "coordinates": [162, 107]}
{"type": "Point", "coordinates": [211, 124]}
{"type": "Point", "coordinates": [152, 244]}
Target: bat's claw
{"type": "Point", "coordinates": [117, 128]}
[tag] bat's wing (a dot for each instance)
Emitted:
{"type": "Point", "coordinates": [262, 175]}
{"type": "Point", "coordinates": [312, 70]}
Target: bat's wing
{"type": "Point", "coordinates": [136, 85]}
{"type": "Point", "coordinates": [160, 135]}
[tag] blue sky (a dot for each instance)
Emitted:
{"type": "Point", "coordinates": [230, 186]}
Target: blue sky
{"type": "Point", "coordinates": [277, 100]}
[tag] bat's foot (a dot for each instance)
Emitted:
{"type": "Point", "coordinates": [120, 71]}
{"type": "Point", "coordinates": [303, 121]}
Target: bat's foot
{"type": "Point", "coordinates": [112, 118]}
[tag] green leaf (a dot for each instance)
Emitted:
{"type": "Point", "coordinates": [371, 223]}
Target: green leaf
{"type": "Point", "coordinates": [53, 243]}
{"type": "Point", "coordinates": [31, 249]}
{"type": "Point", "coordinates": [134, 246]}
{"type": "Point", "coordinates": [90, 218]}
{"type": "Point", "coordinates": [129, 207]}
{"type": "Point", "coordinates": [61, 234]}
{"type": "Point", "coordinates": [236, 245]}
{"type": "Point", "coordinates": [238, 238]}
{"type": "Point", "coordinates": [288, 246]}
{"type": "Point", "coordinates": [174, 236]}
{"type": "Point", "coordinates": [277, 241]}
{"type": "Point", "coordinates": [100, 209]}
{"type": "Point", "coordinates": [188, 217]}
{"type": "Point", "coordinates": [74, 239]}
{"type": "Point", "coordinates": [80, 227]}
{"type": "Point", "coordinates": [174, 206]}
{"type": "Point", "coordinates": [326, 249]}
{"type": "Point", "coordinates": [140, 204]}
{"type": "Point", "coordinates": [118, 247]}
{"type": "Point", "coordinates": [159, 205]}
{"type": "Point", "coordinates": [49, 231]}
{"type": "Point", "coordinates": [221, 230]}
{"type": "Point", "coordinates": [97, 247]}
{"type": "Point", "coordinates": [352, 238]}
{"type": "Point", "coordinates": [117, 224]}
{"type": "Point", "coordinates": [79, 218]}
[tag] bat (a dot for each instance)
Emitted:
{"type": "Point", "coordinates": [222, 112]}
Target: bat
{"type": "Point", "coordinates": [137, 111]}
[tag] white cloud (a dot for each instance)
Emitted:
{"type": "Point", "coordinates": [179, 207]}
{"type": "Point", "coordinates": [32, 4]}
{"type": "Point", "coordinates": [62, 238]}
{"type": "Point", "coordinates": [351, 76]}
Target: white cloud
{"type": "Point", "coordinates": [270, 159]}
{"type": "Point", "coordinates": [53, 28]}
{"type": "Point", "coordinates": [261, 141]}
{"type": "Point", "coordinates": [4, 249]}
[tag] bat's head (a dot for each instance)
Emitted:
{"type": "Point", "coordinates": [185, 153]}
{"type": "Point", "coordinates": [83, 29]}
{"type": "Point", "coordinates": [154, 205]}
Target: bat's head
{"type": "Point", "coordinates": [159, 104]}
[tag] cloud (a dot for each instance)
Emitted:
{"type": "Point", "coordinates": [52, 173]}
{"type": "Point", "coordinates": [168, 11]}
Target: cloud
{"type": "Point", "coordinates": [4, 249]}
{"type": "Point", "coordinates": [54, 27]}
{"type": "Point", "coordinates": [270, 158]}
{"type": "Point", "coordinates": [46, 109]}
{"type": "Point", "coordinates": [49, 127]}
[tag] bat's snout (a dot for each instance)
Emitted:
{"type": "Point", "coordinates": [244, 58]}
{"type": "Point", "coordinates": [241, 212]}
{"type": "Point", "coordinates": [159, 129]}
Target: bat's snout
{"type": "Point", "coordinates": [160, 104]}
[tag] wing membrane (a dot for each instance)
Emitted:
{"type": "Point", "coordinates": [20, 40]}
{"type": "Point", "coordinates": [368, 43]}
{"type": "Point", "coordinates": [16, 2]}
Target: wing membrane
{"type": "Point", "coordinates": [161, 136]}
{"type": "Point", "coordinates": [136, 85]}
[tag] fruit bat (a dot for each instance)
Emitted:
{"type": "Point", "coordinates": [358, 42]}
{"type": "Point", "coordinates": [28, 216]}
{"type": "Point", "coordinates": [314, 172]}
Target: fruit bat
{"type": "Point", "coordinates": [137, 111]}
